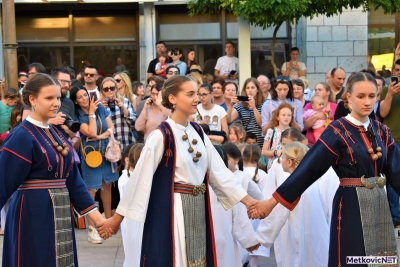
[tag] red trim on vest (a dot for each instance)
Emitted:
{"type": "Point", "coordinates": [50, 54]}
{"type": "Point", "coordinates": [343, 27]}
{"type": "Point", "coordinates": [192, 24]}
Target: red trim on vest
{"type": "Point", "coordinates": [338, 228]}
{"type": "Point", "coordinates": [19, 230]}
{"type": "Point", "coordinates": [331, 150]}
{"type": "Point", "coordinates": [286, 204]}
{"type": "Point", "coordinates": [16, 154]}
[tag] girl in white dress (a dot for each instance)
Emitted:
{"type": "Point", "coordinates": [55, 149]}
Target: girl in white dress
{"type": "Point", "coordinates": [179, 145]}
{"type": "Point", "coordinates": [131, 230]}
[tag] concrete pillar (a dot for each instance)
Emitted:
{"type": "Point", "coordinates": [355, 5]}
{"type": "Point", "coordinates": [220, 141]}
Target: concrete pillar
{"type": "Point", "coordinates": [10, 45]}
{"type": "Point", "coordinates": [1, 50]}
{"type": "Point", "coordinates": [146, 41]}
{"type": "Point", "coordinates": [244, 51]}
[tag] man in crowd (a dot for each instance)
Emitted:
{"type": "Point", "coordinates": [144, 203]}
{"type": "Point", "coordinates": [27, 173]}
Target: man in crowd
{"type": "Point", "coordinates": [36, 67]}
{"type": "Point", "coordinates": [90, 76]}
{"type": "Point", "coordinates": [390, 111]}
{"type": "Point", "coordinates": [265, 85]}
{"type": "Point", "coordinates": [336, 81]}
{"type": "Point", "coordinates": [172, 71]}
{"type": "Point", "coordinates": [227, 67]}
{"type": "Point", "coordinates": [294, 68]}
{"type": "Point", "coordinates": [218, 92]}
{"type": "Point", "coordinates": [161, 48]}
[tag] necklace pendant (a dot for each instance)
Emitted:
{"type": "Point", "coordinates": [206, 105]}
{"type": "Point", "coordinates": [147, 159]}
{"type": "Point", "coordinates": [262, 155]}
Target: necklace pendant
{"type": "Point", "coordinates": [194, 141]}
{"type": "Point", "coordinates": [64, 152]}
{"type": "Point", "coordinates": [185, 137]}
{"type": "Point", "coordinates": [55, 144]}
{"type": "Point", "coordinates": [198, 154]}
{"type": "Point", "coordinates": [378, 149]}
{"type": "Point", "coordinates": [59, 148]}
{"type": "Point", "coordinates": [190, 149]}
{"type": "Point", "coordinates": [370, 151]}
{"type": "Point", "coordinates": [374, 157]}
{"type": "Point", "coordinates": [196, 159]}
{"type": "Point", "coordinates": [379, 154]}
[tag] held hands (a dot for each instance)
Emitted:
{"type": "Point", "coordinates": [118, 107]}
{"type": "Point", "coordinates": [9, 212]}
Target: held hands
{"type": "Point", "coordinates": [261, 209]}
{"type": "Point", "coordinates": [251, 249]}
{"type": "Point", "coordinates": [108, 227]}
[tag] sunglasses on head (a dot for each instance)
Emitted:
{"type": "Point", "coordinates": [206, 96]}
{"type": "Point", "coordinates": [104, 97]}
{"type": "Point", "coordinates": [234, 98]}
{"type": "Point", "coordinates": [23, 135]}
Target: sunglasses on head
{"type": "Point", "coordinates": [118, 80]}
{"type": "Point", "coordinates": [196, 70]}
{"type": "Point", "coordinates": [282, 78]}
{"type": "Point", "coordinates": [89, 74]}
{"type": "Point", "coordinates": [106, 89]}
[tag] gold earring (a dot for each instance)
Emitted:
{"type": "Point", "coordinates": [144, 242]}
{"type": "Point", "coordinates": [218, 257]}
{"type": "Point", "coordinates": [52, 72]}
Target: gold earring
{"type": "Point", "coordinates": [173, 107]}
{"type": "Point", "coordinates": [34, 108]}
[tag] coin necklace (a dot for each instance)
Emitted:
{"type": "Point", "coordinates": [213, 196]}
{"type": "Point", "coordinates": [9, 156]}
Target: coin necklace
{"type": "Point", "coordinates": [185, 137]}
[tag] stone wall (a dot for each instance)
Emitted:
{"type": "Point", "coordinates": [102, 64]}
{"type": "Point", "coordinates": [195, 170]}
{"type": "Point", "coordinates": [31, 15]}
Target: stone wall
{"type": "Point", "coordinates": [339, 41]}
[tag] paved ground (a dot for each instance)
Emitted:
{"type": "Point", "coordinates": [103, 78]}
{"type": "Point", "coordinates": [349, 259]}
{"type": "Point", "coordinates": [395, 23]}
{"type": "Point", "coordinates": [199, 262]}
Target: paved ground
{"type": "Point", "coordinates": [111, 252]}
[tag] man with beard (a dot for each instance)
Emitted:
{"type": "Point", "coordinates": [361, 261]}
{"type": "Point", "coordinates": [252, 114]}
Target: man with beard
{"type": "Point", "coordinates": [67, 110]}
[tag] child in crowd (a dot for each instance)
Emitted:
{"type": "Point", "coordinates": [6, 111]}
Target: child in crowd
{"type": "Point", "coordinates": [251, 138]}
{"type": "Point", "coordinates": [7, 103]}
{"type": "Point", "coordinates": [130, 229]}
{"type": "Point", "coordinates": [317, 104]}
{"type": "Point", "coordinates": [237, 133]}
{"type": "Point", "coordinates": [162, 65]}
{"type": "Point", "coordinates": [233, 227]}
{"type": "Point", "coordinates": [251, 158]}
{"type": "Point", "coordinates": [208, 78]}
{"type": "Point", "coordinates": [282, 119]}
{"type": "Point", "coordinates": [15, 119]}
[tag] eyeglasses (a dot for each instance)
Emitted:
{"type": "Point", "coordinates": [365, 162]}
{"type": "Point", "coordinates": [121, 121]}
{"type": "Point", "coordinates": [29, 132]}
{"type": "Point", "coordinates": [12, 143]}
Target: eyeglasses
{"type": "Point", "coordinates": [118, 80]}
{"type": "Point", "coordinates": [90, 74]}
{"type": "Point", "coordinates": [264, 83]}
{"type": "Point", "coordinates": [202, 95]}
{"type": "Point", "coordinates": [154, 94]}
{"type": "Point", "coordinates": [65, 81]}
{"type": "Point", "coordinates": [173, 72]}
{"type": "Point", "coordinates": [106, 89]}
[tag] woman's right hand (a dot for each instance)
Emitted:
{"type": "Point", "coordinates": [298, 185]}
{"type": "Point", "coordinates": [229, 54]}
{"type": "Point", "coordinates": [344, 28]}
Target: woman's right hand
{"type": "Point", "coordinates": [149, 103]}
{"type": "Point", "coordinates": [234, 101]}
{"type": "Point", "coordinates": [93, 106]}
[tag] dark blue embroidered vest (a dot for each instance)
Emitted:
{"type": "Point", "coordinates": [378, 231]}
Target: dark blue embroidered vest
{"type": "Point", "coordinates": [158, 234]}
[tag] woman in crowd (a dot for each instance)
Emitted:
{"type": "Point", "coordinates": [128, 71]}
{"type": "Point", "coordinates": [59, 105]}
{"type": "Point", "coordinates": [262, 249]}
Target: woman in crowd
{"type": "Point", "coordinates": [323, 90]}
{"type": "Point", "coordinates": [178, 155]}
{"type": "Point", "coordinates": [124, 85]}
{"type": "Point", "coordinates": [9, 100]}
{"type": "Point", "coordinates": [44, 181]}
{"type": "Point", "coordinates": [208, 112]}
{"type": "Point", "coordinates": [153, 112]}
{"type": "Point", "coordinates": [95, 130]}
{"type": "Point", "coordinates": [137, 94]}
{"type": "Point", "coordinates": [230, 91]}
{"type": "Point", "coordinates": [282, 91]}
{"type": "Point", "coordinates": [178, 60]}
{"type": "Point", "coordinates": [121, 110]}
{"type": "Point", "coordinates": [190, 56]}
{"type": "Point", "coordinates": [298, 91]}
{"type": "Point", "coordinates": [248, 111]}
{"type": "Point", "coordinates": [355, 146]}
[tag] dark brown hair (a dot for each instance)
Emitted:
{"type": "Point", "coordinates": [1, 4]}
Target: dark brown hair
{"type": "Point", "coordinates": [353, 79]}
{"type": "Point", "coordinates": [11, 93]}
{"type": "Point", "coordinates": [293, 134]}
{"type": "Point", "coordinates": [252, 154]}
{"type": "Point", "coordinates": [13, 117]}
{"type": "Point", "coordinates": [34, 85]}
{"type": "Point", "coordinates": [172, 86]}
{"type": "Point", "coordinates": [259, 97]}
{"type": "Point", "coordinates": [134, 155]}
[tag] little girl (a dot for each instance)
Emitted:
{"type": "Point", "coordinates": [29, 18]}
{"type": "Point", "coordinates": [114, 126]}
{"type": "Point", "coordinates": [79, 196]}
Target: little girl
{"type": "Point", "coordinates": [282, 119]}
{"type": "Point", "coordinates": [162, 64]}
{"type": "Point", "coordinates": [233, 227]}
{"type": "Point", "coordinates": [15, 119]}
{"type": "Point", "coordinates": [130, 229]}
{"type": "Point", "coordinates": [251, 158]}
{"type": "Point", "coordinates": [319, 126]}
{"type": "Point", "coordinates": [237, 133]}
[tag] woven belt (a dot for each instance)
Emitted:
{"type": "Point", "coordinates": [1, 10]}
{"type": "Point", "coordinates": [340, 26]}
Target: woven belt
{"type": "Point", "coordinates": [190, 189]}
{"type": "Point", "coordinates": [369, 183]}
{"type": "Point", "coordinates": [42, 184]}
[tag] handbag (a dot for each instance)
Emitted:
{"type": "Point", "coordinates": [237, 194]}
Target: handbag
{"type": "Point", "coordinates": [113, 150]}
{"type": "Point", "coordinates": [94, 158]}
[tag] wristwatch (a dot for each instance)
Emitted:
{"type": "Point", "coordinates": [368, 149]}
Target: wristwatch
{"type": "Point", "coordinates": [92, 116]}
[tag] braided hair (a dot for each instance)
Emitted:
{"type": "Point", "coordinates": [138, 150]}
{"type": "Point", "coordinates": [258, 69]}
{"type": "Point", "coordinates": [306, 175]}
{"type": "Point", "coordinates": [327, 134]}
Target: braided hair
{"type": "Point", "coordinates": [295, 151]}
{"type": "Point", "coordinates": [252, 154]}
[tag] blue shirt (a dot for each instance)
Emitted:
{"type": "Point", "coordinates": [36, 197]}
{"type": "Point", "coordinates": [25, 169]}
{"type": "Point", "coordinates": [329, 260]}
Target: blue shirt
{"type": "Point", "coordinates": [271, 105]}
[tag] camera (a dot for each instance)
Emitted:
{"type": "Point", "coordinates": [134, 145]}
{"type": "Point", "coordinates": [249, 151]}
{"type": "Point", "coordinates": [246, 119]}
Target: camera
{"type": "Point", "coordinates": [71, 124]}
{"type": "Point", "coordinates": [111, 103]}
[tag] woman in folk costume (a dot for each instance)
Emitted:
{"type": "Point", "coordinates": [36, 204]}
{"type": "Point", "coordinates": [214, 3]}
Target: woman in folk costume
{"type": "Point", "coordinates": [171, 197]}
{"type": "Point", "coordinates": [38, 167]}
{"type": "Point", "coordinates": [363, 154]}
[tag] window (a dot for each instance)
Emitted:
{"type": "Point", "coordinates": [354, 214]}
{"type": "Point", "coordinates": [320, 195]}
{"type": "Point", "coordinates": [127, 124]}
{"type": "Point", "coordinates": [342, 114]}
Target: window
{"type": "Point", "coordinates": [42, 29]}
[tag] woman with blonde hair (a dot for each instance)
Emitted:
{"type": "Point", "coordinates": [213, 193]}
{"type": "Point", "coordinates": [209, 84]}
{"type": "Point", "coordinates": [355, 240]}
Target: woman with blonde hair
{"type": "Point", "coordinates": [323, 90]}
{"type": "Point", "coordinates": [124, 85]}
{"type": "Point", "coordinates": [123, 115]}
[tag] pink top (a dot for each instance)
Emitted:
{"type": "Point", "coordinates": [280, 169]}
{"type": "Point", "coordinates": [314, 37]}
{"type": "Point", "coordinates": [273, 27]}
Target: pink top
{"type": "Point", "coordinates": [310, 135]}
{"type": "Point", "coordinates": [148, 121]}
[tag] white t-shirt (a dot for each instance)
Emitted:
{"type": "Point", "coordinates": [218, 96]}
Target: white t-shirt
{"type": "Point", "coordinates": [95, 90]}
{"type": "Point", "coordinates": [226, 64]}
{"type": "Point", "coordinates": [213, 116]}
{"type": "Point", "coordinates": [294, 72]}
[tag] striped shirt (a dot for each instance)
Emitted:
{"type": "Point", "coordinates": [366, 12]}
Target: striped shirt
{"type": "Point", "coordinates": [249, 121]}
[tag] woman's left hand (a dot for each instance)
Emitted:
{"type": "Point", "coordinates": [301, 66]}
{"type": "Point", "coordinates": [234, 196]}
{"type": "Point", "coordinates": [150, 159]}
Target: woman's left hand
{"type": "Point", "coordinates": [251, 103]}
{"type": "Point", "coordinates": [119, 103]}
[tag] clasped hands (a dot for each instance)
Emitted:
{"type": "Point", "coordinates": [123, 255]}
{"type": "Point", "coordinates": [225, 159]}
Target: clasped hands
{"type": "Point", "coordinates": [260, 209]}
{"type": "Point", "coordinates": [108, 227]}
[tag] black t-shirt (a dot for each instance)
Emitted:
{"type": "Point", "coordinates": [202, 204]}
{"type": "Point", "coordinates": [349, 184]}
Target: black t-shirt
{"type": "Point", "coordinates": [67, 108]}
{"type": "Point", "coordinates": [339, 95]}
{"type": "Point", "coordinates": [152, 65]}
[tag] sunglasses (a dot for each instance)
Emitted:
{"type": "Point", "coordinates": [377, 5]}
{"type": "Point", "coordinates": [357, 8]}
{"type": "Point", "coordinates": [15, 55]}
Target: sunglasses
{"type": "Point", "coordinates": [106, 89]}
{"type": "Point", "coordinates": [175, 54]}
{"type": "Point", "coordinates": [196, 70]}
{"type": "Point", "coordinates": [173, 72]}
{"type": "Point", "coordinates": [282, 78]}
{"type": "Point", "coordinates": [89, 74]}
{"type": "Point", "coordinates": [118, 80]}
